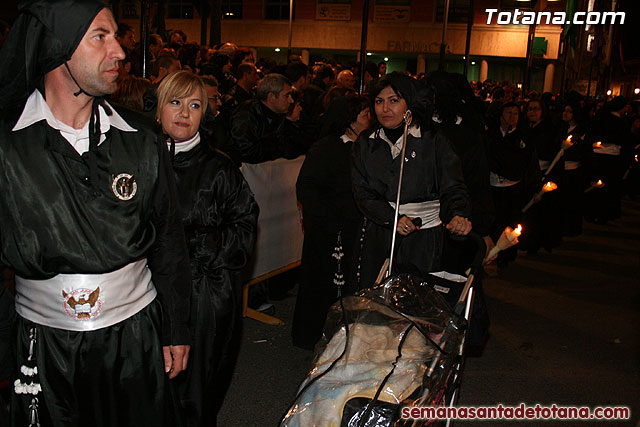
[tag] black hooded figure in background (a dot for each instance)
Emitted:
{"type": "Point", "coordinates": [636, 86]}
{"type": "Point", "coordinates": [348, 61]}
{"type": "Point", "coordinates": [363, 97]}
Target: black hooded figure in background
{"type": "Point", "coordinates": [331, 219]}
{"type": "Point", "coordinates": [89, 221]}
{"type": "Point", "coordinates": [432, 188]}
{"type": "Point", "coordinates": [458, 115]}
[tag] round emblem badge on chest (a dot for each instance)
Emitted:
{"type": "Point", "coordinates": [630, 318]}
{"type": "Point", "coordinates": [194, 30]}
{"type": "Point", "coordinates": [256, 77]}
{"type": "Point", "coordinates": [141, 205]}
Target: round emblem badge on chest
{"type": "Point", "coordinates": [124, 186]}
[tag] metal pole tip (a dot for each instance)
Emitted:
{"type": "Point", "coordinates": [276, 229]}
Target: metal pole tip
{"type": "Point", "coordinates": [407, 117]}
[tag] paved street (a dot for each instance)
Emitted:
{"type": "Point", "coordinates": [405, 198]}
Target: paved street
{"type": "Point", "coordinates": [565, 329]}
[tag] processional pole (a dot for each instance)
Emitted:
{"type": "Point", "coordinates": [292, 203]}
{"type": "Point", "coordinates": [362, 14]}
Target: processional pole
{"type": "Point", "coordinates": [443, 45]}
{"type": "Point", "coordinates": [290, 30]}
{"type": "Point", "coordinates": [407, 123]}
{"type": "Point", "coordinates": [363, 43]}
{"type": "Point", "coordinates": [144, 36]}
{"type": "Point", "coordinates": [467, 44]}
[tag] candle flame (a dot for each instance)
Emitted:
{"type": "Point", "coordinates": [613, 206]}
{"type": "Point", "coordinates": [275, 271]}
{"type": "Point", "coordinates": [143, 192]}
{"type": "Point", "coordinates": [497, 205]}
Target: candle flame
{"type": "Point", "coordinates": [569, 138]}
{"type": "Point", "coordinates": [598, 144]}
{"type": "Point", "coordinates": [599, 183]}
{"type": "Point", "coordinates": [636, 157]}
{"type": "Point", "coordinates": [549, 186]}
{"type": "Point", "coordinates": [518, 230]}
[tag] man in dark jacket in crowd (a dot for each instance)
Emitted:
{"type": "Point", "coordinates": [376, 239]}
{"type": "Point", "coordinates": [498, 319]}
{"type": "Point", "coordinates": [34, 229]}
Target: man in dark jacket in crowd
{"type": "Point", "coordinates": [243, 90]}
{"type": "Point", "coordinates": [261, 130]}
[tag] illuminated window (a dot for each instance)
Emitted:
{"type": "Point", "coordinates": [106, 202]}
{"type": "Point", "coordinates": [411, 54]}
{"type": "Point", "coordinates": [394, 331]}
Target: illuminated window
{"type": "Point", "coordinates": [232, 9]}
{"type": "Point", "coordinates": [180, 9]}
{"type": "Point", "coordinates": [278, 9]}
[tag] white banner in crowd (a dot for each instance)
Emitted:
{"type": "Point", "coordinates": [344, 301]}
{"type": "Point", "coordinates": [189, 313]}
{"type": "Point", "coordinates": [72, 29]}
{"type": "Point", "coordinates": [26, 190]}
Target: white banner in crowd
{"type": "Point", "coordinates": [280, 235]}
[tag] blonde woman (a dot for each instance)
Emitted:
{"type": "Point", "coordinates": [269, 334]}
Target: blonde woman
{"type": "Point", "coordinates": [219, 215]}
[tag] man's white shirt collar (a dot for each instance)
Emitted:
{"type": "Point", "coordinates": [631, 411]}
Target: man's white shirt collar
{"type": "Point", "coordinates": [37, 109]}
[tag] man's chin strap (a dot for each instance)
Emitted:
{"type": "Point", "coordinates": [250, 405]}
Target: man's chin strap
{"type": "Point", "coordinates": [80, 90]}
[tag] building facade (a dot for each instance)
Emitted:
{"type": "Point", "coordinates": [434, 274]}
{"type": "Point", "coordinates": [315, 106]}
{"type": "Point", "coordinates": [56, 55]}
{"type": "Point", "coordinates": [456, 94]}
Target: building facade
{"type": "Point", "coordinates": [405, 33]}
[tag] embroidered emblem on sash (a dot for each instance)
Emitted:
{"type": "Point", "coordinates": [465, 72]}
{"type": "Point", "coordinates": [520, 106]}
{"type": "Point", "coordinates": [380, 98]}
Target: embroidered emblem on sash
{"type": "Point", "coordinates": [82, 304]}
{"type": "Point", "coordinates": [124, 186]}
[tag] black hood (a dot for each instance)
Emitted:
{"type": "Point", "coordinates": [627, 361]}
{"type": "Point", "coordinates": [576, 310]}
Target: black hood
{"type": "Point", "coordinates": [43, 37]}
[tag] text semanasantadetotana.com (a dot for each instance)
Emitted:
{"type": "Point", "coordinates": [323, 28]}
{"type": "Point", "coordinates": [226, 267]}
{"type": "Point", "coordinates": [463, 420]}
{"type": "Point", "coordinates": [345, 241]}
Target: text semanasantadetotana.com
{"type": "Point", "coordinates": [521, 412]}
{"type": "Point", "coordinates": [519, 17]}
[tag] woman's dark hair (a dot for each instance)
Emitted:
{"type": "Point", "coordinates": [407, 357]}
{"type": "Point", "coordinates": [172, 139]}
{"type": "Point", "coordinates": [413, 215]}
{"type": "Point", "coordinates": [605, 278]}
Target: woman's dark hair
{"type": "Point", "coordinates": [453, 97]}
{"type": "Point", "coordinates": [342, 112]}
{"type": "Point", "coordinates": [578, 111]}
{"type": "Point", "coordinates": [543, 107]}
{"type": "Point", "coordinates": [334, 93]}
{"type": "Point", "coordinates": [409, 89]}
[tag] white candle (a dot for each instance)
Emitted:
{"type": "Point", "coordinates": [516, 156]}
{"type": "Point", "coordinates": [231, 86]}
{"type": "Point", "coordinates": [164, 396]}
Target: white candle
{"type": "Point", "coordinates": [598, 184]}
{"type": "Point", "coordinates": [549, 186]}
{"type": "Point", "coordinates": [508, 238]}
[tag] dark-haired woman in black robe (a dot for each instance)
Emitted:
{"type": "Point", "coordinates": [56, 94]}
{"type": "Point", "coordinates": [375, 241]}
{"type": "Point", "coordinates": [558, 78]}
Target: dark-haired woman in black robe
{"type": "Point", "coordinates": [576, 161]}
{"type": "Point", "coordinates": [331, 218]}
{"type": "Point", "coordinates": [543, 222]}
{"type": "Point", "coordinates": [220, 216]}
{"type": "Point", "coordinates": [432, 190]}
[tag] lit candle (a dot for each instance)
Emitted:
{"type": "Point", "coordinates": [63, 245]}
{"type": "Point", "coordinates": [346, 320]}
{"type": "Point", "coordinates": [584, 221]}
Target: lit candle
{"type": "Point", "coordinates": [597, 144]}
{"type": "Point", "coordinates": [513, 235]}
{"type": "Point", "coordinates": [566, 144]}
{"type": "Point", "coordinates": [508, 238]}
{"type": "Point", "coordinates": [597, 184]}
{"type": "Point", "coordinates": [549, 186]}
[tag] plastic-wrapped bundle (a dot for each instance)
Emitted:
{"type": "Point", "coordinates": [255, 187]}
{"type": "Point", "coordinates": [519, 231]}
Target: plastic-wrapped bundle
{"type": "Point", "coordinates": [399, 349]}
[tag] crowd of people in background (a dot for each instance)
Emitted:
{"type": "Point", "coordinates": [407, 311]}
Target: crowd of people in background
{"type": "Point", "coordinates": [482, 151]}
{"type": "Point", "coordinates": [505, 138]}
{"type": "Point", "coordinates": [250, 127]}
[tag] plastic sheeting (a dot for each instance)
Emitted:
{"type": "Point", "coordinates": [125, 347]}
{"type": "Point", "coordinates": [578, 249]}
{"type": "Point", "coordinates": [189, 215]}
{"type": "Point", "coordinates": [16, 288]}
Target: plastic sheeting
{"type": "Point", "coordinates": [399, 349]}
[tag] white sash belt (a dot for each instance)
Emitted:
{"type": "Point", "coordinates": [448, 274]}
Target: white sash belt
{"type": "Point", "coordinates": [86, 302]}
{"type": "Point", "coordinates": [610, 149]}
{"type": "Point", "coordinates": [570, 165]}
{"type": "Point", "coordinates": [428, 212]}
{"type": "Point", "coordinates": [496, 180]}
{"type": "Point", "coordinates": [544, 164]}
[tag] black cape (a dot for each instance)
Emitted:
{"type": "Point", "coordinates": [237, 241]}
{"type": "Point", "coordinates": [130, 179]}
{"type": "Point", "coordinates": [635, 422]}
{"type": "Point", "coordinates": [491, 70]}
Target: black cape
{"type": "Point", "coordinates": [220, 218]}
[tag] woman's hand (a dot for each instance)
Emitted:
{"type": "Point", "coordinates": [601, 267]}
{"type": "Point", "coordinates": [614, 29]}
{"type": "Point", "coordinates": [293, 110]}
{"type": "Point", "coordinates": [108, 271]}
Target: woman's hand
{"type": "Point", "coordinates": [459, 225]}
{"type": "Point", "coordinates": [405, 226]}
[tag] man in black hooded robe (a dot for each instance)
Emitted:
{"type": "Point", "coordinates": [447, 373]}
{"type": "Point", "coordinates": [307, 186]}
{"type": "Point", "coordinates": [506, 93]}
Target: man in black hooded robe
{"type": "Point", "coordinates": [89, 222]}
